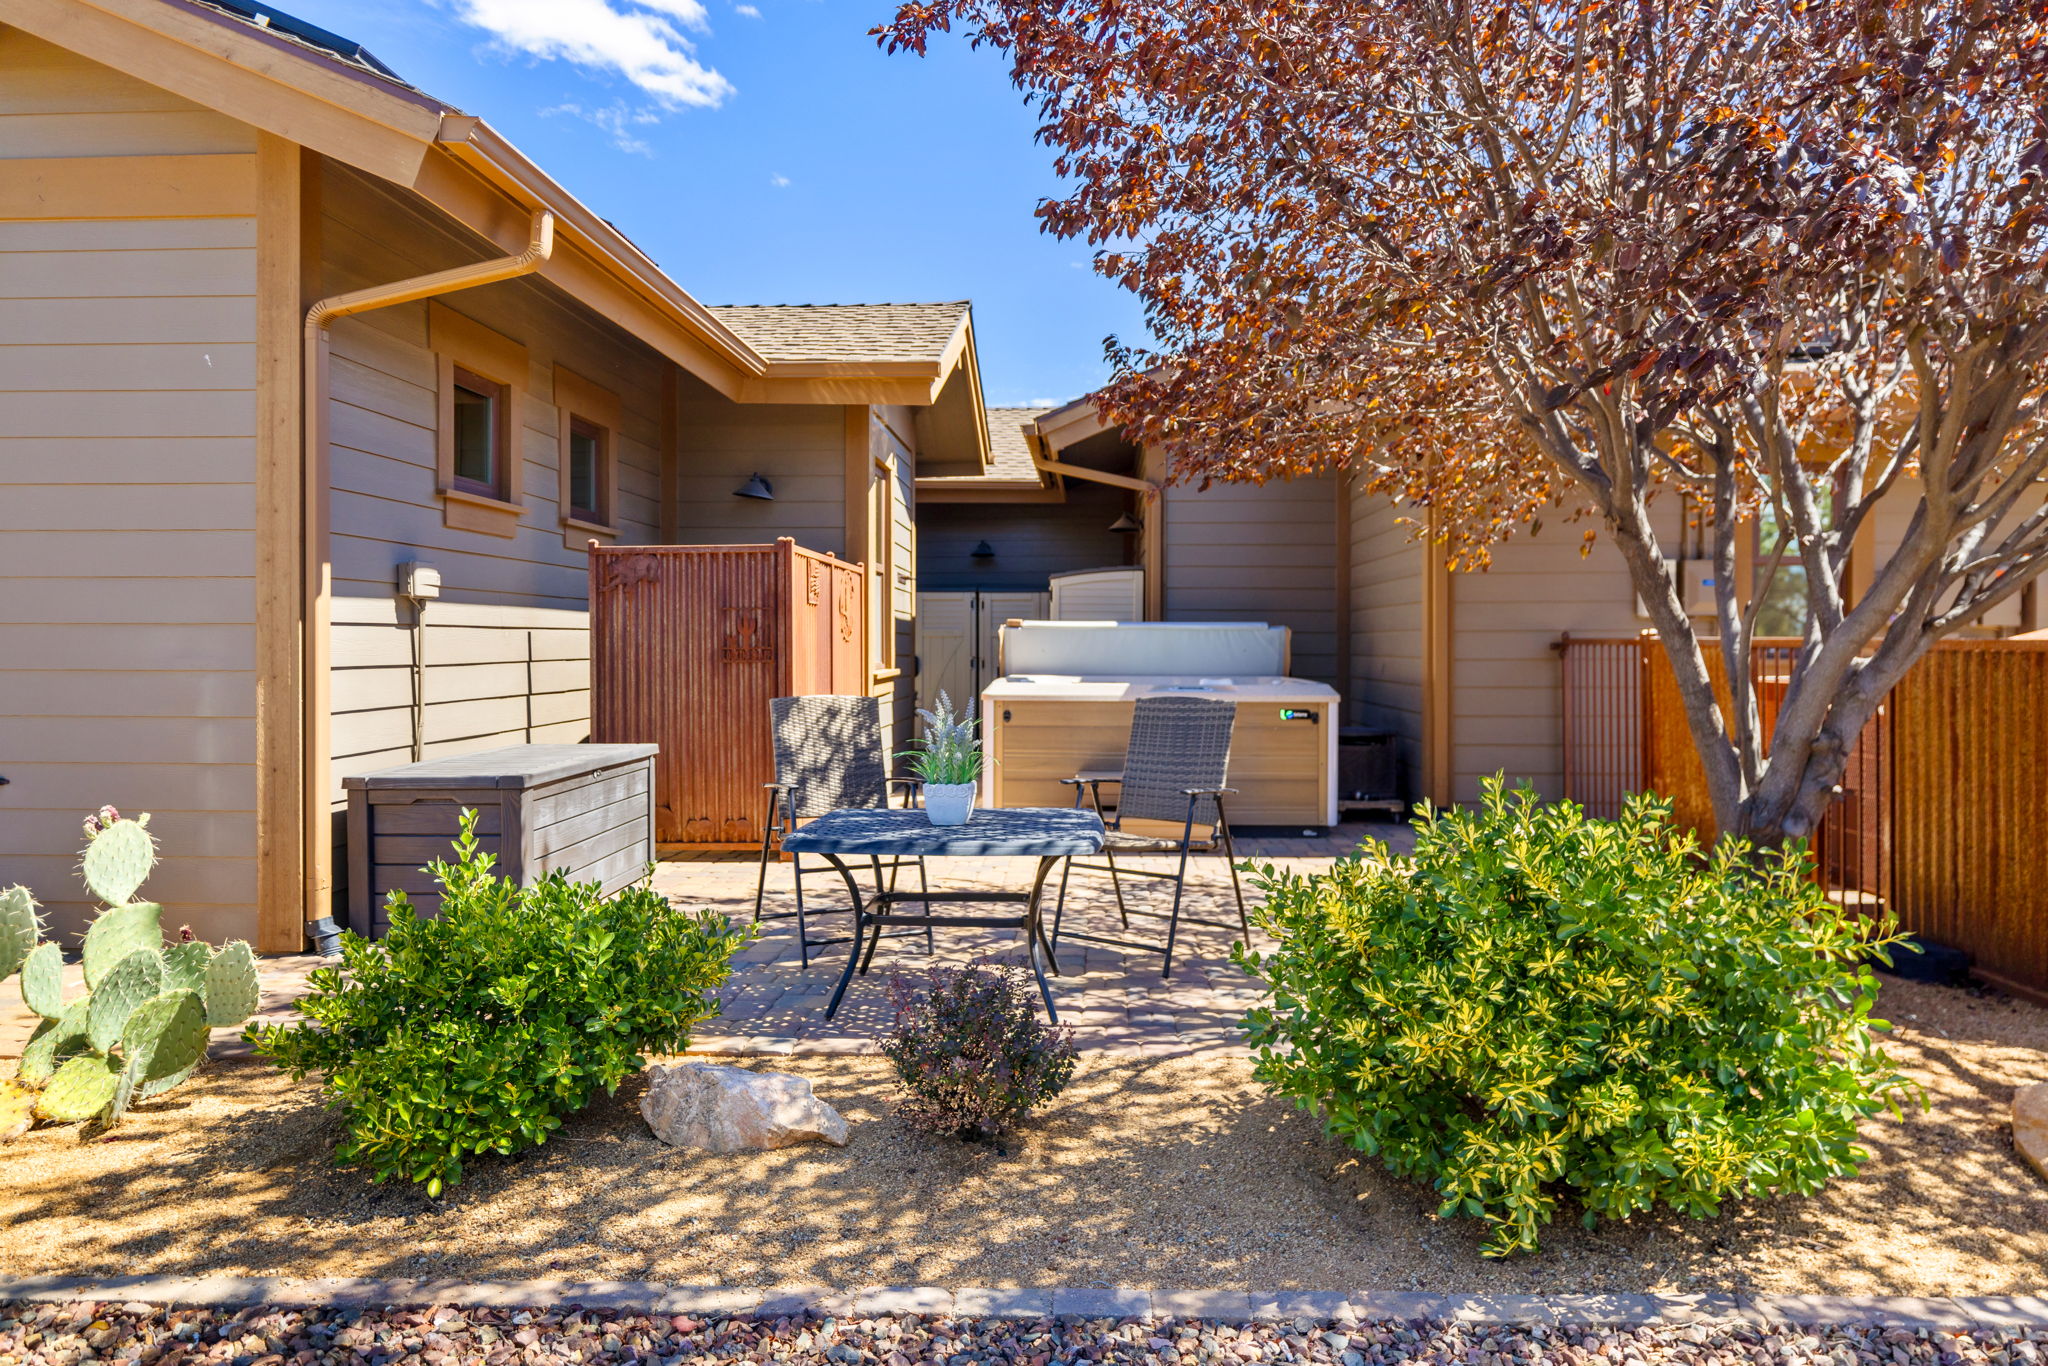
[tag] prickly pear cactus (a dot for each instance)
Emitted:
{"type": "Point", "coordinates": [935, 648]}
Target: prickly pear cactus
{"type": "Point", "coordinates": [163, 1041]}
{"type": "Point", "coordinates": [118, 932]}
{"type": "Point", "coordinates": [19, 928]}
{"type": "Point", "coordinates": [54, 1041]}
{"type": "Point", "coordinates": [42, 981]}
{"type": "Point", "coordinates": [82, 1088]}
{"type": "Point", "coordinates": [232, 994]}
{"type": "Point", "coordinates": [118, 856]}
{"type": "Point", "coordinates": [185, 966]}
{"type": "Point", "coordinates": [143, 1025]}
{"type": "Point", "coordinates": [132, 981]}
{"type": "Point", "coordinates": [17, 1110]}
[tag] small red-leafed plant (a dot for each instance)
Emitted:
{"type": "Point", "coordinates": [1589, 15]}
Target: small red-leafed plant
{"type": "Point", "coordinates": [971, 1053]}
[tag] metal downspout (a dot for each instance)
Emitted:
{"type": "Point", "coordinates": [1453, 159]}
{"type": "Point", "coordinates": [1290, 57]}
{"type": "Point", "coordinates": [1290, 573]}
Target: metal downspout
{"type": "Point", "coordinates": [316, 569]}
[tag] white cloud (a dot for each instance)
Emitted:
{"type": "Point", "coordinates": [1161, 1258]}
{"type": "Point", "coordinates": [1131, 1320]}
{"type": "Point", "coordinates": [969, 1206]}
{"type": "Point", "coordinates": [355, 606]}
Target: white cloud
{"type": "Point", "coordinates": [780, 182]}
{"type": "Point", "coordinates": [747, 10]}
{"type": "Point", "coordinates": [641, 40]}
{"type": "Point", "coordinates": [615, 119]}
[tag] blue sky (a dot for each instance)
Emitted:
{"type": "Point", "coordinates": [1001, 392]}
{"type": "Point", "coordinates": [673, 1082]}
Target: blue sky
{"type": "Point", "coordinates": [766, 151]}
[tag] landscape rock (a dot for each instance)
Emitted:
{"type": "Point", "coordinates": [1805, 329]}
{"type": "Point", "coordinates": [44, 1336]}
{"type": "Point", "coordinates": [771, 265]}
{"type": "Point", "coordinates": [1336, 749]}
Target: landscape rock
{"type": "Point", "coordinates": [730, 1109]}
{"type": "Point", "coordinates": [2030, 1126]}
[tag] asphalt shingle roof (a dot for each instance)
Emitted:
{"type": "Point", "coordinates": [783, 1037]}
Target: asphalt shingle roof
{"type": "Point", "coordinates": [1010, 455]}
{"type": "Point", "coordinates": [844, 332]}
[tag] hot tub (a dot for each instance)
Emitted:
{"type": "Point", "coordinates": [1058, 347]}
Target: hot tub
{"type": "Point", "coordinates": [1042, 724]}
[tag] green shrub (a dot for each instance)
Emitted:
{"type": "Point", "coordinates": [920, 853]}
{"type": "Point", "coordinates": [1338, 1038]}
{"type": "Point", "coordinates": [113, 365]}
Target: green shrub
{"type": "Point", "coordinates": [971, 1053]}
{"type": "Point", "coordinates": [1537, 1002]}
{"type": "Point", "coordinates": [477, 1031]}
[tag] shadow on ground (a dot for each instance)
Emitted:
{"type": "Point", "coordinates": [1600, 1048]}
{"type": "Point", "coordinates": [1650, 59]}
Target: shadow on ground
{"type": "Point", "coordinates": [1169, 1173]}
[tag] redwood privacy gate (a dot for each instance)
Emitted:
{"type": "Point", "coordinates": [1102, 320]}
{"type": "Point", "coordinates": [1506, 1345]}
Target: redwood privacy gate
{"type": "Point", "coordinates": [1943, 813]}
{"type": "Point", "coordinates": [687, 645]}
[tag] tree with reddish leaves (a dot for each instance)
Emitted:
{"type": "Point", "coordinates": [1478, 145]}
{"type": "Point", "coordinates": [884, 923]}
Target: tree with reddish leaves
{"type": "Point", "coordinates": [1786, 257]}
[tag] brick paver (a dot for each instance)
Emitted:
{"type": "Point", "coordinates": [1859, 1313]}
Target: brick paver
{"type": "Point", "coordinates": [1114, 999]}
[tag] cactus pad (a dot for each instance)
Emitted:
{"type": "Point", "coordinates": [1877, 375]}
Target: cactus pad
{"type": "Point", "coordinates": [232, 994]}
{"type": "Point", "coordinates": [19, 928]}
{"type": "Point", "coordinates": [127, 985]}
{"type": "Point", "coordinates": [166, 1035]}
{"type": "Point", "coordinates": [54, 1041]}
{"type": "Point", "coordinates": [185, 966]}
{"type": "Point", "coordinates": [42, 981]}
{"type": "Point", "coordinates": [118, 932]}
{"type": "Point", "coordinates": [17, 1110]}
{"type": "Point", "coordinates": [118, 859]}
{"type": "Point", "coordinates": [82, 1089]}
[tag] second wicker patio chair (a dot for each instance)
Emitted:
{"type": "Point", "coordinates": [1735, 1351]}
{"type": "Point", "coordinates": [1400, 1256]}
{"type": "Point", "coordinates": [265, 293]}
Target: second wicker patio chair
{"type": "Point", "coordinates": [1173, 782]}
{"type": "Point", "coordinates": [828, 757]}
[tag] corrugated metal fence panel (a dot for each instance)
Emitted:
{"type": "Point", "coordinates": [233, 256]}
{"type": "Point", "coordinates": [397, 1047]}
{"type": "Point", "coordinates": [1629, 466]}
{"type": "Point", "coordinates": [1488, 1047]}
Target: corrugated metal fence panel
{"type": "Point", "coordinates": [1603, 732]}
{"type": "Point", "coordinates": [1970, 794]}
{"type": "Point", "coordinates": [1608, 704]}
{"type": "Point", "coordinates": [1944, 802]}
{"type": "Point", "coordinates": [688, 644]}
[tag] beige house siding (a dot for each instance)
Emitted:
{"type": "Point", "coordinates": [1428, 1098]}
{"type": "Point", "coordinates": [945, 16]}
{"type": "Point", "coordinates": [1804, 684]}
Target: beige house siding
{"type": "Point", "coordinates": [800, 449]}
{"type": "Point", "coordinates": [55, 103]}
{"type": "Point", "coordinates": [127, 548]}
{"type": "Point", "coordinates": [1893, 517]}
{"type": "Point", "coordinates": [892, 438]}
{"type": "Point", "coordinates": [1506, 683]}
{"type": "Point", "coordinates": [503, 654]}
{"type": "Point", "coordinates": [1387, 566]}
{"type": "Point", "coordinates": [1264, 552]}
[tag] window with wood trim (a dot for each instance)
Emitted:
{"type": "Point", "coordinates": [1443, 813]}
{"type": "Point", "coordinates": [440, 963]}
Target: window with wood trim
{"type": "Point", "coordinates": [478, 431]}
{"type": "Point", "coordinates": [589, 448]}
{"type": "Point", "coordinates": [479, 441]}
{"type": "Point", "coordinates": [588, 445]}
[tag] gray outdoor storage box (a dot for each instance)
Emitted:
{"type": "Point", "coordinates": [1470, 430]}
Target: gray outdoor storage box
{"type": "Point", "coordinates": [587, 810]}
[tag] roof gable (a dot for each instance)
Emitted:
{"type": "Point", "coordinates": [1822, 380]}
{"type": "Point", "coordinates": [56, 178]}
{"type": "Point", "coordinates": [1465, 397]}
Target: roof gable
{"type": "Point", "coordinates": [833, 333]}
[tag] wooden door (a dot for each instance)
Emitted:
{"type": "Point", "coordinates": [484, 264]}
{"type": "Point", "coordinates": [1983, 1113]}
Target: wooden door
{"type": "Point", "coordinates": [943, 637]}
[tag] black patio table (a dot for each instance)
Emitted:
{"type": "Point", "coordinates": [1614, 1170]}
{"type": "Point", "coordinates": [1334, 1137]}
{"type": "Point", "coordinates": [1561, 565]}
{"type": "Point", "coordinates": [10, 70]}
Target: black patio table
{"type": "Point", "coordinates": [1047, 833]}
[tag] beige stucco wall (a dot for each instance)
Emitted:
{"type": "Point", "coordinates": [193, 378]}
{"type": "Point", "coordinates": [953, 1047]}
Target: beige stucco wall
{"type": "Point", "coordinates": [127, 546]}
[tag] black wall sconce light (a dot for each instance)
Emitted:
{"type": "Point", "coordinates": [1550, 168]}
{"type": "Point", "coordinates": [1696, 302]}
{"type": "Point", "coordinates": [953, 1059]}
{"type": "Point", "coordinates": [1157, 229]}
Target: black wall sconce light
{"type": "Point", "coordinates": [1127, 524]}
{"type": "Point", "coordinates": [982, 551]}
{"type": "Point", "coordinates": [756, 487]}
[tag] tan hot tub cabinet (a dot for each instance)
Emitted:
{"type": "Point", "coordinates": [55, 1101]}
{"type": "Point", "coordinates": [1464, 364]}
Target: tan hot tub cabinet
{"type": "Point", "coordinates": [1041, 725]}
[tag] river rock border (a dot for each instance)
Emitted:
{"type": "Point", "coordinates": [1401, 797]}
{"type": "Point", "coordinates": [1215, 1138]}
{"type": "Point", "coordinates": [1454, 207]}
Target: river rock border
{"type": "Point", "coordinates": [1958, 1313]}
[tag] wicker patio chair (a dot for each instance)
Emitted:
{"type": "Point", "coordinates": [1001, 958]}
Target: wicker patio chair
{"type": "Point", "coordinates": [1175, 769]}
{"type": "Point", "coordinates": [828, 757]}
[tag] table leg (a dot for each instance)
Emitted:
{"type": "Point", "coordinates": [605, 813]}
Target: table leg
{"type": "Point", "coordinates": [1034, 936]}
{"type": "Point", "coordinates": [860, 916]}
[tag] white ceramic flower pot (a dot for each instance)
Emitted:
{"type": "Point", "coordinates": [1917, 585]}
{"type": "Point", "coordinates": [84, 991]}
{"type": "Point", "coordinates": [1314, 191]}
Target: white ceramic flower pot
{"type": "Point", "coordinates": [949, 803]}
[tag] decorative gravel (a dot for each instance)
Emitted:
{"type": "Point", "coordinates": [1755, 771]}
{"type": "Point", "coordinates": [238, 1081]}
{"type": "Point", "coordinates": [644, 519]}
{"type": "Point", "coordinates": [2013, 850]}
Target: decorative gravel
{"type": "Point", "coordinates": [1179, 1173]}
{"type": "Point", "coordinates": [81, 1332]}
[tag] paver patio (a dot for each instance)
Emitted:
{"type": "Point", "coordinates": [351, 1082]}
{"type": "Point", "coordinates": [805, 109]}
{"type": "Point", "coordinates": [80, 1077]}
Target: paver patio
{"type": "Point", "coordinates": [1114, 999]}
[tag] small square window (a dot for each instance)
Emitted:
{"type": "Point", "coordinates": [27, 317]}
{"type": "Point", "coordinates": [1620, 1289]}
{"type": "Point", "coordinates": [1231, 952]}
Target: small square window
{"type": "Point", "coordinates": [586, 471]}
{"type": "Point", "coordinates": [478, 438]}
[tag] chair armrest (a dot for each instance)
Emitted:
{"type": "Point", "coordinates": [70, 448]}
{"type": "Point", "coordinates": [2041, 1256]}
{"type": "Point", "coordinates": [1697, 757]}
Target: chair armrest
{"type": "Point", "coordinates": [1099, 775]}
{"type": "Point", "coordinates": [907, 782]}
{"type": "Point", "coordinates": [777, 787]}
{"type": "Point", "coordinates": [1208, 792]}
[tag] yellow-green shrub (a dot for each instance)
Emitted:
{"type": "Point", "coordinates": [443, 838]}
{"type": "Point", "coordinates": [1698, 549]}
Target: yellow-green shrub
{"type": "Point", "coordinates": [1536, 1002]}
